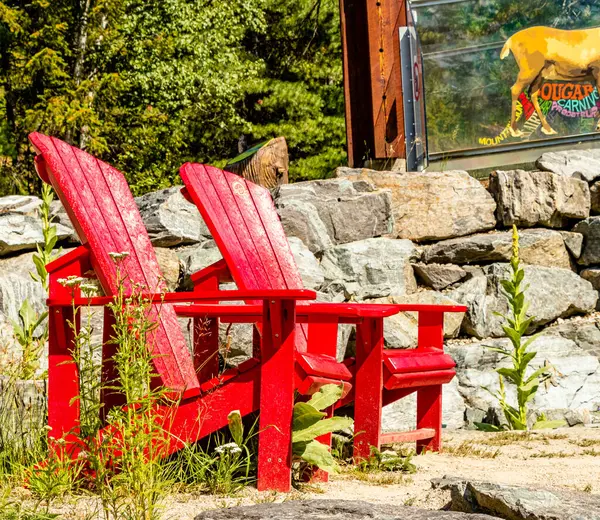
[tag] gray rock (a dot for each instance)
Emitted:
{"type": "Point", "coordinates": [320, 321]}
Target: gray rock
{"type": "Point", "coordinates": [170, 219]}
{"type": "Point", "coordinates": [432, 205]}
{"type": "Point", "coordinates": [552, 292]}
{"type": "Point", "coordinates": [537, 247]}
{"type": "Point", "coordinates": [400, 330]}
{"type": "Point", "coordinates": [334, 211]}
{"type": "Point", "coordinates": [401, 415]}
{"type": "Point", "coordinates": [21, 204]}
{"type": "Point", "coordinates": [330, 510]}
{"type": "Point", "coordinates": [171, 267]}
{"type": "Point", "coordinates": [590, 229]}
{"type": "Point", "coordinates": [519, 503]}
{"type": "Point", "coordinates": [592, 275]}
{"type": "Point", "coordinates": [439, 276]}
{"type": "Point", "coordinates": [371, 268]}
{"type": "Point", "coordinates": [585, 332]}
{"type": "Point", "coordinates": [595, 198]}
{"type": "Point", "coordinates": [528, 199]}
{"type": "Point", "coordinates": [581, 164]}
{"type": "Point", "coordinates": [195, 258]}
{"type": "Point", "coordinates": [575, 384]}
{"type": "Point", "coordinates": [574, 242]}
{"type": "Point", "coordinates": [309, 267]}
{"type": "Point", "coordinates": [20, 232]}
{"type": "Point", "coordinates": [60, 216]}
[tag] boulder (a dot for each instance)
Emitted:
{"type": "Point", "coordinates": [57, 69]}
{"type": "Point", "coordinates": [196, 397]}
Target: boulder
{"type": "Point", "coordinates": [371, 268]}
{"type": "Point", "coordinates": [552, 292]}
{"type": "Point", "coordinates": [537, 247]}
{"type": "Point", "coordinates": [433, 205]}
{"type": "Point", "coordinates": [170, 219]}
{"type": "Point", "coordinates": [400, 330]}
{"type": "Point", "coordinates": [21, 204]}
{"type": "Point", "coordinates": [331, 510]}
{"type": "Point", "coordinates": [595, 198]}
{"type": "Point", "coordinates": [309, 267]}
{"type": "Point", "coordinates": [59, 216]}
{"type": "Point", "coordinates": [439, 276]}
{"type": "Point", "coordinates": [592, 275]}
{"type": "Point", "coordinates": [329, 212]}
{"type": "Point", "coordinates": [401, 415]}
{"type": "Point", "coordinates": [14, 289]}
{"type": "Point", "coordinates": [590, 229]}
{"type": "Point", "coordinates": [197, 257]}
{"type": "Point", "coordinates": [581, 164]}
{"type": "Point", "coordinates": [519, 503]}
{"type": "Point", "coordinates": [575, 382]}
{"type": "Point", "coordinates": [573, 242]}
{"type": "Point", "coordinates": [19, 232]}
{"type": "Point", "coordinates": [584, 331]}
{"type": "Point", "coordinates": [528, 199]}
{"type": "Point", "coordinates": [171, 267]}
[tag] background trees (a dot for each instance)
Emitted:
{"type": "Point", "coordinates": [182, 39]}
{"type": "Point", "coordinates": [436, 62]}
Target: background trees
{"type": "Point", "coordinates": [148, 85]}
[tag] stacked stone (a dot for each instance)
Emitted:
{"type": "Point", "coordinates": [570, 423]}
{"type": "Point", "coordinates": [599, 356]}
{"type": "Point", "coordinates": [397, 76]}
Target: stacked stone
{"type": "Point", "coordinates": [405, 238]}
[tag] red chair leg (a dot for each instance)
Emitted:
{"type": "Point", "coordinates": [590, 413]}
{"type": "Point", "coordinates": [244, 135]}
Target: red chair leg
{"type": "Point", "coordinates": [63, 379]}
{"type": "Point", "coordinates": [276, 397]}
{"type": "Point", "coordinates": [429, 415]}
{"type": "Point", "coordinates": [368, 387]}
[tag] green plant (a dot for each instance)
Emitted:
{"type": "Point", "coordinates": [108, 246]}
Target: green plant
{"type": "Point", "coordinates": [309, 422]}
{"type": "Point", "coordinates": [31, 342]}
{"type": "Point", "coordinates": [45, 251]}
{"type": "Point", "coordinates": [221, 467]}
{"type": "Point", "coordinates": [388, 460]}
{"type": "Point", "coordinates": [516, 326]}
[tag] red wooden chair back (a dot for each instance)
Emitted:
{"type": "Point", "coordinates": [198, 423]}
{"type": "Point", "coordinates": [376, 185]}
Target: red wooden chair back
{"type": "Point", "coordinates": [102, 209]}
{"type": "Point", "coordinates": [243, 221]}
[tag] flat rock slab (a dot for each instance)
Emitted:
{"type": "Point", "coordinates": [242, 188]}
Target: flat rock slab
{"type": "Point", "coordinates": [528, 199]}
{"type": "Point", "coordinates": [537, 247]}
{"type": "Point", "coordinates": [331, 510]}
{"type": "Point", "coordinates": [581, 164]}
{"type": "Point", "coordinates": [433, 205]}
{"type": "Point", "coordinates": [19, 232]}
{"type": "Point", "coordinates": [519, 503]}
{"type": "Point", "coordinates": [328, 212]}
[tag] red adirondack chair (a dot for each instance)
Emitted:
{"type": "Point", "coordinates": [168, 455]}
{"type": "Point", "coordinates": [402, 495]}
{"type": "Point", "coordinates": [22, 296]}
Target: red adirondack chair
{"type": "Point", "coordinates": [256, 254]}
{"type": "Point", "coordinates": [104, 214]}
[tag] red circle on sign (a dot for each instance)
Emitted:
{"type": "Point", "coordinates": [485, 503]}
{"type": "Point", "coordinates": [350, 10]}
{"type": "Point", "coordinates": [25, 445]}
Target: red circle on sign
{"type": "Point", "coordinates": [417, 82]}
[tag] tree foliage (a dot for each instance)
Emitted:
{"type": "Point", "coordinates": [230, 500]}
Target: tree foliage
{"type": "Point", "coordinates": [147, 85]}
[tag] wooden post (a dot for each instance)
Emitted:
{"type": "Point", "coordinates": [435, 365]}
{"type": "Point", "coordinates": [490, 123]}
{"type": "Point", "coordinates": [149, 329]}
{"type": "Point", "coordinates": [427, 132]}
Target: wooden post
{"type": "Point", "coordinates": [429, 398]}
{"type": "Point", "coordinates": [276, 396]}
{"type": "Point", "coordinates": [368, 387]}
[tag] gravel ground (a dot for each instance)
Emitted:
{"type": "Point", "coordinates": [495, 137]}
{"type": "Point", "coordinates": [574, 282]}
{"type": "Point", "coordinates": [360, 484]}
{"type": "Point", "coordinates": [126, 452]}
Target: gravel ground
{"type": "Point", "coordinates": [564, 458]}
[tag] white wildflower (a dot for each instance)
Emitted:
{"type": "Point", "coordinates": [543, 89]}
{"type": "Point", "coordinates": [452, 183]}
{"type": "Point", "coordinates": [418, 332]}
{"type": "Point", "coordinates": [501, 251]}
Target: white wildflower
{"type": "Point", "coordinates": [118, 256]}
{"type": "Point", "coordinates": [72, 281]}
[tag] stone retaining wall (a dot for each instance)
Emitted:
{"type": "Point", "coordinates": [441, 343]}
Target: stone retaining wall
{"type": "Point", "coordinates": [406, 238]}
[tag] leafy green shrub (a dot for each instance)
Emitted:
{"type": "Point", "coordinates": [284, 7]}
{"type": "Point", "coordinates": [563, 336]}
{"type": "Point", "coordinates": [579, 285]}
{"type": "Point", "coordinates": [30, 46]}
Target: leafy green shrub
{"type": "Point", "coordinates": [309, 423]}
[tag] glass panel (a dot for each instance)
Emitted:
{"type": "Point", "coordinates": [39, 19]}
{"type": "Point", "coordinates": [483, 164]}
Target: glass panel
{"type": "Point", "coordinates": [468, 86]}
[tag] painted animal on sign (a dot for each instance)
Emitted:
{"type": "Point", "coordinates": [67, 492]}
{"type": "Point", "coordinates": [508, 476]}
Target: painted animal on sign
{"type": "Point", "coordinates": [547, 54]}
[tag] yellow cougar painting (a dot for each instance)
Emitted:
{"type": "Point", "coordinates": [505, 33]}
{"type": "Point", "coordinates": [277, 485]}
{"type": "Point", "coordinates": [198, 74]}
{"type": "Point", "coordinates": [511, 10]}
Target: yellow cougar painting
{"type": "Point", "coordinates": [546, 54]}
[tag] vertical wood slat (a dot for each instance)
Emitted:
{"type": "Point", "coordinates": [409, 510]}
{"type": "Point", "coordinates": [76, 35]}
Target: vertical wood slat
{"type": "Point", "coordinates": [276, 396]}
{"type": "Point", "coordinates": [63, 372]}
{"type": "Point", "coordinates": [429, 398]}
{"type": "Point", "coordinates": [99, 203]}
{"type": "Point", "coordinates": [368, 384]}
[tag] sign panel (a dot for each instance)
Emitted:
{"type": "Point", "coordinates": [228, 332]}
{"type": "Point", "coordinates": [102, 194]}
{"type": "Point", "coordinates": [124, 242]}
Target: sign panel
{"type": "Point", "coordinates": [415, 127]}
{"type": "Point", "coordinates": [504, 73]}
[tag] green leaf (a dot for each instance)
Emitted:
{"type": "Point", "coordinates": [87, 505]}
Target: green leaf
{"type": "Point", "coordinates": [321, 428]}
{"type": "Point", "coordinates": [544, 425]}
{"type": "Point", "coordinates": [305, 415]}
{"type": "Point", "coordinates": [28, 314]}
{"type": "Point", "coordinates": [249, 152]}
{"type": "Point", "coordinates": [535, 375]}
{"type": "Point", "coordinates": [509, 373]}
{"type": "Point", "coordinates": [236, 426]}
{"type": "Point", "coordinates": [326, 396]}
{"type": "Point", "coordinates": [484, 427]}
{"type": "Point", "coordinates": [316, 454]}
